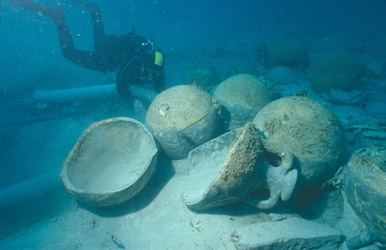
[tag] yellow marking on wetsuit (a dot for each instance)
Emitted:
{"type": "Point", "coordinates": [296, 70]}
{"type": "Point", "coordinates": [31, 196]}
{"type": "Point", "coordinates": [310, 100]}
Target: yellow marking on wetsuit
{"type": "Point", "coordinates": [159, 58]}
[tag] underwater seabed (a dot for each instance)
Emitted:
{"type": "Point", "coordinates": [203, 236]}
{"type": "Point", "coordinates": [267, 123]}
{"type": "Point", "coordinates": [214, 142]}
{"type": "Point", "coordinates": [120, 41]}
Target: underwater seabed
{"type": "Point", "coordinates": [157, 217]}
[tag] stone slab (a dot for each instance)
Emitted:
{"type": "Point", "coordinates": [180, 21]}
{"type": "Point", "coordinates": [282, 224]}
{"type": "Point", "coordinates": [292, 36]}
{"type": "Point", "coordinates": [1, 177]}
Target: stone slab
{"type": "Point", "coordinates": [293, 233]}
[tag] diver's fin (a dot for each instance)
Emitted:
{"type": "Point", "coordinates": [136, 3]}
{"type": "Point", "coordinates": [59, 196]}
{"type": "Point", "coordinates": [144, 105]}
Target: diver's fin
{"type": "Point", "coordinates": [56, 14]}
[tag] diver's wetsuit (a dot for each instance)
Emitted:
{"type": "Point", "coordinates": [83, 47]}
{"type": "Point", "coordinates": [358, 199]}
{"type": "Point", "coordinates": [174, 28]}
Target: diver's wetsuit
{"type": "Point", "coordinates": [128, 54]}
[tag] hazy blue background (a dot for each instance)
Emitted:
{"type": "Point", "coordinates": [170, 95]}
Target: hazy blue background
{"type": "Point", "coordinates": [31, 58]}
{"type": "Point", "coordinates": [29, 45]}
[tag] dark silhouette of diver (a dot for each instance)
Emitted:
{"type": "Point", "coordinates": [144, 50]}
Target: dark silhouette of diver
{"type": "Point", "coordinates": [134, 59]}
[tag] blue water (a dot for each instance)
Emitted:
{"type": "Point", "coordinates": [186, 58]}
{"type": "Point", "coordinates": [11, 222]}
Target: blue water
{"type": "Point", "coordinates": [35, 139]}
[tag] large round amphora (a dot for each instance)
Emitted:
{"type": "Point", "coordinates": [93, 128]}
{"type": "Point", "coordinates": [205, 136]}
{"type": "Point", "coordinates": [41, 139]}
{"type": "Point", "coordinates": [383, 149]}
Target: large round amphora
{"type": "Point", "coordinates": [307, 129]}
{"type": "Point", "coordinates": [365, 188]}
{"type": "Point", "coordinates": [182, 118]}
{"type": "Point", "coordinates": [242, 96]}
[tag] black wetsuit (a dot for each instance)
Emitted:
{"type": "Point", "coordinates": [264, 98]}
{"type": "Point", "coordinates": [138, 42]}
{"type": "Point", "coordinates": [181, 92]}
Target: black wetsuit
{"type": "Point", "coordinates": [125, 53]}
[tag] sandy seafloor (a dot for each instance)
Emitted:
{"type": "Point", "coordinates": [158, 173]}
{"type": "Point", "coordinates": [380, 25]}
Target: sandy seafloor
{"type": "Point", "coordinates": [156, 218]}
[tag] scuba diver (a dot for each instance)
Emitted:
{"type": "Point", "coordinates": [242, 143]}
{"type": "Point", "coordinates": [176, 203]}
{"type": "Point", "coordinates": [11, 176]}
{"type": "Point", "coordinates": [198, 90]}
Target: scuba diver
{"type": "Point", "coordinates": [132, 57]}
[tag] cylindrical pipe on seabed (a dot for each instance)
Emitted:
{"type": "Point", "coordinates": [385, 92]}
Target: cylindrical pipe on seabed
{"type": "Point", "coordinates": [100, 92]}
{"type": "Point", "coordinates": [61, 96]}
{"type": "Point", "coordinates": [18, 193]}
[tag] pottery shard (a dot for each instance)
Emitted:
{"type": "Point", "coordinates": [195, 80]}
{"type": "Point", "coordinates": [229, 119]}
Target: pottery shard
{"type": "Point", "coordinates": [293, 233]}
